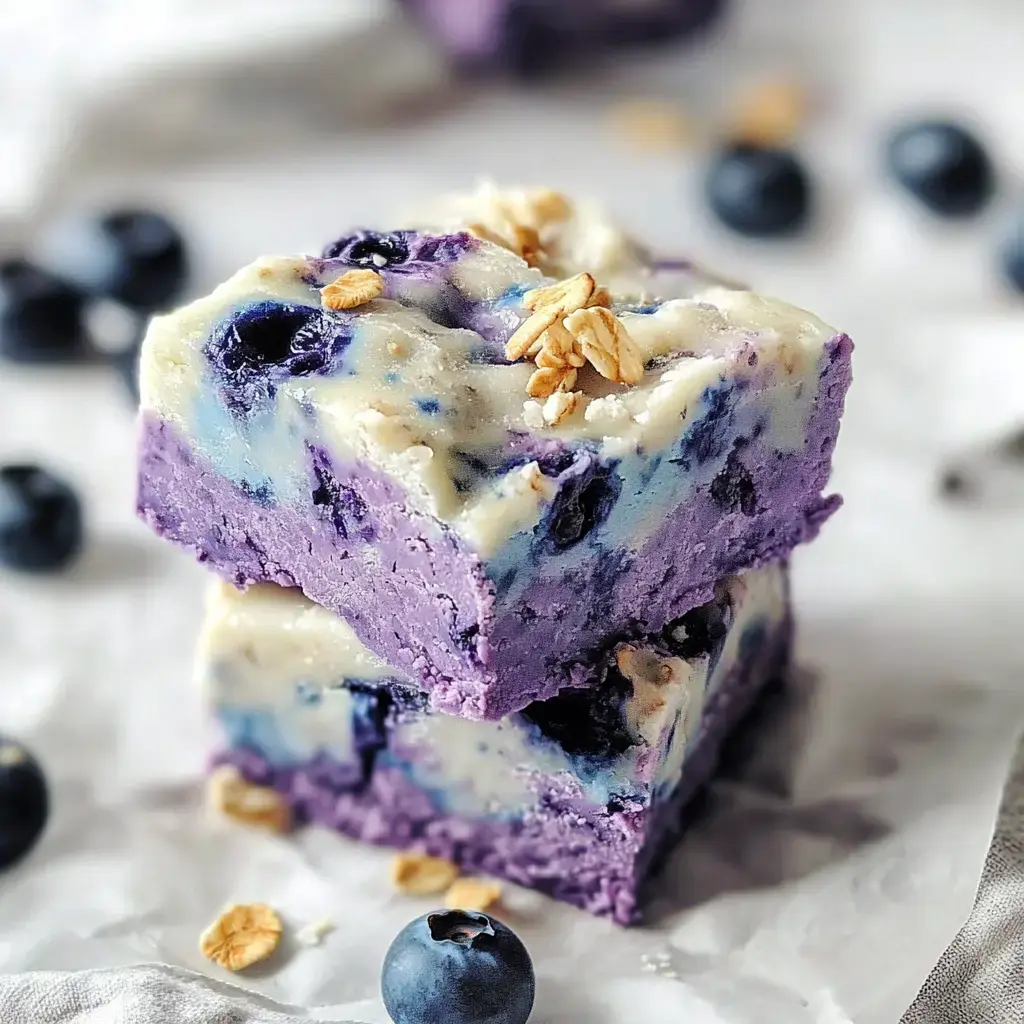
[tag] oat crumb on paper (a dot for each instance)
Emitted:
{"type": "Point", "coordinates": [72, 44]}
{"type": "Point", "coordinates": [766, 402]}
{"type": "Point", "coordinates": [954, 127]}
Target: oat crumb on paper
{"type": "Point", "coordinates": [232, 795]}
{"type": "Point", "coordinates": [651, 124]}
{"type": "Point", "coordinates": [472, 894]}
{"type": "Point", "coordinates": [243, 935]}
{"type": "Point", "coordinates": [314, 933]}
{"type": "Point", "coordinates": [419, 874]}
{"type": "Point", "coordinates": [769, 114]}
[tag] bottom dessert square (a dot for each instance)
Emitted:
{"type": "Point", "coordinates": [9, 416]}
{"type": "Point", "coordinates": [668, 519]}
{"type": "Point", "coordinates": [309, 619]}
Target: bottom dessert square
{"type": "Point", "coordinates": [578, 796]}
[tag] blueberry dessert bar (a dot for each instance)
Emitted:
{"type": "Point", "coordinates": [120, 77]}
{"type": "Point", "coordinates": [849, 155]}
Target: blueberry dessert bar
{"type": "Point", "coordinates": [489, 440]}
{"type": "Point", "coordinates": [578, 795]}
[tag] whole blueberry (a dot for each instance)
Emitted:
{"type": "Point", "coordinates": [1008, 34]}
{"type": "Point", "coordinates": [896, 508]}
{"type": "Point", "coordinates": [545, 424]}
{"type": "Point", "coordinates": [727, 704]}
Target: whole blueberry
{"type": "Point", "coordinates": [1013, 254]}
{"type": "Point", "coordinates": [135, 256]}
{"type": "Point", "coordinates": [944, 166]}
{"type": "Point", "coordinates": [759, 191]}
{"type": "Point", "coordinates": [23, 802]}
{"type": "Point", "coordinates": [40, 315]}
{"type": "Point", "coordinates": [40, 520]}
{"type": "Point", "coordinates": [457, 967]}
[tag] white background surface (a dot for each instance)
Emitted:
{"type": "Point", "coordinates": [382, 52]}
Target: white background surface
{"type": "Point", "coordinates": [827, 880]}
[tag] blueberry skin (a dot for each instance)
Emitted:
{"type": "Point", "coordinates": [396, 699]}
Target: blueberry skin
{"type": "Point", "coordinates": [24, 802]}
{"type": "Point", "coordinates": [40, 520]}
{"type": "Point", "coordinates": [944, 166]}
{"type": "Point", "coordinates": [135, 256]}
{"type": "Point", "coordinates": [586, 495]}
{"type": "Point", "coordinates": [1012, 255]}
{"type": "Point", "coordinates": [457, 967]}
{"type": "Point", "coordinates": [759, 191]}
{"type": "Point", "coordinates": [40, 315]}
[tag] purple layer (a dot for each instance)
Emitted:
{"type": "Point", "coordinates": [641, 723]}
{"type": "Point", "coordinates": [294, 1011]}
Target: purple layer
{"type": "Point", "coordinates": [596, 858]}
{"type": "Point", "coordinates": [417, 597]}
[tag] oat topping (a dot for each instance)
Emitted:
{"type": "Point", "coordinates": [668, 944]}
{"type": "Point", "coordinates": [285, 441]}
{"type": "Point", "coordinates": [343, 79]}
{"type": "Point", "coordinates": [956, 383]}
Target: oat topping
{"type": "Point", "coordinates": [354, 288]}
{"type": "Point", "coordinates": [419, 874]}
{"type": "Point", "coordinates": [607, 344]}
{"type": "Point", "coordinates": [472, 894]}
{"type": "Point", "coordinates": [570, 325]}
{"type": "Point", "coordinates": [229, 793]}
{"type": "Point", "coordinates": [242, 936]}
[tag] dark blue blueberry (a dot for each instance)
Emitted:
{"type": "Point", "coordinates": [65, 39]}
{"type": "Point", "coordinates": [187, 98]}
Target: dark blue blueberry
{"type": "Point", "coordinates": [431, 406]}
{"type": "Point", "coordinates": [588, 722]}
{"type": "Point", "coordinates": [135, 256]}
{"type": "Point", "coordinates": [1013, 255]}
{"type": "Point", "coordinates": [701, 632]}
{"type": "Point", "coordinates": [269, 342]}
{"type": "Point", "coordinates": [708, 437]}
{"type": "Point", "coordinates": [733, 488]}
{"type": "Point", "coordinates": [40, 520]}
{"type": "Point", "coordinates": [40, 315]}
{"type": "Point", "coordinates": [372, 248]}
{"type": "Point", "coordinates": [586, 496]}
{"type": "Point", "coordinates": [944, 166]}
{"type": "Point", "coordinates": [457, 967]}
{"type": "Point", "coordinates": [759, 191]}
{"type": "Point", "coordinates": [24, 802]}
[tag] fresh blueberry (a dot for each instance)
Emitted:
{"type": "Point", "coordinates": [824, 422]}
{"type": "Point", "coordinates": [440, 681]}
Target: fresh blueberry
{"type": "Point", "coordinates": [1013, 255]}
{"type": "Point", "coordinates": [586, 722]}
{"type": "Point", "coordinates": [40, 315]}
{"type": "Point", "coordinates": [585, 498]}
{"type": "Point", "coordinates": [24, 803]}
{"type": "Point", "coordinates": [40, 520]}
{"type": "Point", "coordinates": [135, 256]}
{"type": "Point", "coordinates": [372, 248]}
{"type": "Point", "coordinates": [759, 191]}
{"type": "Point", "coordinates": [457, 967]}
{"type": "Point", "coordinates": [944, 166]}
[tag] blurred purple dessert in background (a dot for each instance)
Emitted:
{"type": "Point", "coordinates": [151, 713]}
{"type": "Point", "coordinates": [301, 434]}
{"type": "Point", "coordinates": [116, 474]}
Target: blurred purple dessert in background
{"type": "Point", "coordinates": [531, 36]}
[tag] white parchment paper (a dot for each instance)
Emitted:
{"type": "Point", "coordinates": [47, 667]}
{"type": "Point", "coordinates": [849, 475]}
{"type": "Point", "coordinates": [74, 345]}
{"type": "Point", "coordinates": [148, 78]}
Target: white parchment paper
{"type": "Point", "coordinates": [830, 867]}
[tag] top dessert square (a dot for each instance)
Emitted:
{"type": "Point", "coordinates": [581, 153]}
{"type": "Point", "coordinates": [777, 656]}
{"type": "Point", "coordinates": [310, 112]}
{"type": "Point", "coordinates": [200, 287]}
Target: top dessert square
{"type": "Point", "coordinates": [491, 442]}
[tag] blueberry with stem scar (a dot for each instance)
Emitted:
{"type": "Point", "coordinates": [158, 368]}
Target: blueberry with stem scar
{"type": "Point", "coordinates": [457, 967]}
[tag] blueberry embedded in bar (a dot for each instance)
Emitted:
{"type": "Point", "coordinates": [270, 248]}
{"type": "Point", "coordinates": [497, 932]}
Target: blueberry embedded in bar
{"type": "Point", "coordinates": [579, 795]}
{"type": "Point", "coordinates": [523, 437]}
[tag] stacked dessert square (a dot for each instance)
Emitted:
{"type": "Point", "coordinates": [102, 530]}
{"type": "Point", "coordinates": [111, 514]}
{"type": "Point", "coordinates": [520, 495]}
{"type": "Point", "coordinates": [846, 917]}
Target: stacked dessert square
{"type": "Point", "coordinates": [503, 507]}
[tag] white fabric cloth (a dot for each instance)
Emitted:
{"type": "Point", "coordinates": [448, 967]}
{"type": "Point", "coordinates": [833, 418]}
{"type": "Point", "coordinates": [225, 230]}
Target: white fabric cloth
{"type": "Point", "coordinates": [147, 994]}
